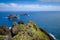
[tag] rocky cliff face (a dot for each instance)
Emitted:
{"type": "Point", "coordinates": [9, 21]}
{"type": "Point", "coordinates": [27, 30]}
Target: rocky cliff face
{"type": "Point", "coordinates": [21, 31]}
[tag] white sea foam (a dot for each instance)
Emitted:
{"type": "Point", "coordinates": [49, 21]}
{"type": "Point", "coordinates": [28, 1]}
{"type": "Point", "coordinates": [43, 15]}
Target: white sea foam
{"type": "Point", "coordinates": [9, 27]}
{"type": "Point", "coordinates": [52, 36]}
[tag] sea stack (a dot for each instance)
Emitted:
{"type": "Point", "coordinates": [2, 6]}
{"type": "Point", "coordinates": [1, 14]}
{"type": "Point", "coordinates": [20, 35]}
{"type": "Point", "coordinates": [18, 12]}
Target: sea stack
{"type": "Point", "coordinates": [12, 16]}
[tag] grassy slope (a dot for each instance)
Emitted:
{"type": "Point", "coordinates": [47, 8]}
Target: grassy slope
{"type": "Point", "coordinates": [29, 31]}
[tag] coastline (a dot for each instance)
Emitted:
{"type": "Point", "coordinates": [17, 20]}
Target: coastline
{"type": "Point", "coordinates": [14, 30]}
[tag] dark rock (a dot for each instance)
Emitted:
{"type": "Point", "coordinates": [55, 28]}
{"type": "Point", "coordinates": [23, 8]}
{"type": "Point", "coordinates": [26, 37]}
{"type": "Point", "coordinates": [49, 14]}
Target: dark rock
{"type": "Point", "coordinates": [12, 16]}
{"type": "Point", "coordinates": [20, 22]}
{"type": "Point", "coordinates": [4, 30]}
{"type": "Point", "coordinates": [14, 29]}
{"type": "Point", "coordinates": [5, 34]}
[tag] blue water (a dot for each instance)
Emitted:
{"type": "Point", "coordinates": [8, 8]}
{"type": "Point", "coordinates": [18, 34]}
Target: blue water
{"type": "Point", "coordinates": [47, 20]}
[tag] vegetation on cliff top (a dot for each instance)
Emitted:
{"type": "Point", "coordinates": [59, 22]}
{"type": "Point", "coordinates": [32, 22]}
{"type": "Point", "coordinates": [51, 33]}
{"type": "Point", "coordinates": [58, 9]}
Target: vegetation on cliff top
{"type": "Point", "coordinates": [28, 31]}
{"type": "Point", "coordinates": [21, 31]}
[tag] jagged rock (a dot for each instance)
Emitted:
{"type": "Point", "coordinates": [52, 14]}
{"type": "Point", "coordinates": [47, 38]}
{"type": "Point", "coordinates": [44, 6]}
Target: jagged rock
{"type": "Point", "coordinates": [4, 33]}
{"type": "Point", "coordinates": [29, 31]}
{"type": "Point", "coordinates": [12, 16]}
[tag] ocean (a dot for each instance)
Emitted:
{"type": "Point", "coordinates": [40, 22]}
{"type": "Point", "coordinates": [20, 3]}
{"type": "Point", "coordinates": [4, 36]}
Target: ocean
{"type": "Point", "coordinates": [47, 20]}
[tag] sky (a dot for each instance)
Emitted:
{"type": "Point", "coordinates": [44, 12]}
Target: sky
{"type": "Point", "coordinates": [29, 5]}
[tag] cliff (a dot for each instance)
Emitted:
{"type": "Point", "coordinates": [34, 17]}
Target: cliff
{"type": "Point", "coordinates": [29, 31]}
{"type": "Point", "coordinates": [21, 31]}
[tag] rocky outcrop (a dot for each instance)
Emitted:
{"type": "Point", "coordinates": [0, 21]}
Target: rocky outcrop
{"type": "Point", "coordinates": [29, 31]}
{"type": "Point", "coordinates": [21, 31]}
{"type": "Point", "coordinates": [12, 16]}
{"type": "Point", "coordinates": [4, 33]}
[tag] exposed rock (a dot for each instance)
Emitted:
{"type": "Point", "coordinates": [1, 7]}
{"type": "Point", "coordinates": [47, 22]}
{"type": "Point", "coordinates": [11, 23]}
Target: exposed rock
{"type": "Point", "coordinates": [12, 16]}
{"type": "Point", "coordinates": [4, 33]}
{"type": "Point", "coordinates": [14, 29]}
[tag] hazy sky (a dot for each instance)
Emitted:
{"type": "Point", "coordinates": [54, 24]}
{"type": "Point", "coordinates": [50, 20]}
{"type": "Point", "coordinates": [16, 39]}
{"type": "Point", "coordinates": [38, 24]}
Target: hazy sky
{"type": "Point", "coordinates": [29, 5]}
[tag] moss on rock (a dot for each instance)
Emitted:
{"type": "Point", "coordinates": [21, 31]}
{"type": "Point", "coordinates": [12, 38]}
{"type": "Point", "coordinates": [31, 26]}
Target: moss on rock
{"type": "Point", "coordinates": [1, 36]}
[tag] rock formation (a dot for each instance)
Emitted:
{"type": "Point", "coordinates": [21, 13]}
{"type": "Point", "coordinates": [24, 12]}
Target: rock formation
{"type": "Point", "coordinates": [21, 31]}
{"type": "Point", "coordinates": [29, 31]}
{"type": "Point", "coordinates": [12, 16]}
{"type": "Point", "coordinates": [5, 33]}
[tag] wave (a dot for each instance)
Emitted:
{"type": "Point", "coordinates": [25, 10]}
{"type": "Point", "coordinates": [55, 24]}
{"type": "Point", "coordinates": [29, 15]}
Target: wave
{"type": "Point", "coordinates": [52, 36]}
{"type": "Point", "coordinates": [10, 27]}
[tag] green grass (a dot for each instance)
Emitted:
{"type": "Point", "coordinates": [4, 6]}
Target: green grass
{"type": "Point", "coordinates": [1, 36]}
{"type": "Point", "coordinates": [30, 31]}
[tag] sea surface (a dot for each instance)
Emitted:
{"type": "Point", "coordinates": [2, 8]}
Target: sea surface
{"type": "Point", "coordinates": [47, 20]}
